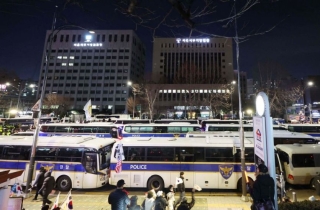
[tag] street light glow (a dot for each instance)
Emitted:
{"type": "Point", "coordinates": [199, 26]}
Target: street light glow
{"type": "Point", "coordinates": [310, 83]}
{"type": "Point", "coordinates": [129, 83]}
{"type": "Point", "coordinates": [233, 82]}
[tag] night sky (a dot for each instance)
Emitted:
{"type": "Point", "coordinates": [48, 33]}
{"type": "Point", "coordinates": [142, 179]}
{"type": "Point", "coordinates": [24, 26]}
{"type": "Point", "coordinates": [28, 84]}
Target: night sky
{"type": "Point", "coordinates": [293, 43]}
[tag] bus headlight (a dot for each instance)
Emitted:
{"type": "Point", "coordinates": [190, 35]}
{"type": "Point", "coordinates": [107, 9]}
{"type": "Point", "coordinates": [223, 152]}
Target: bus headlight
{"type": "Point", "coordinates": [102, 177]}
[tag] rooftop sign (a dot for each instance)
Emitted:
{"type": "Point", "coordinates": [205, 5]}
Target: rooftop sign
{"type": "Point", "coordinates": [88, 44]}
{"type": "Point", "coordinates": [204, 40]}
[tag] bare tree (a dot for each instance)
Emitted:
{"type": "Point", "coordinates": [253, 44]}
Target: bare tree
{"type": "Point", "coordinates": [218, 99]}
{"type": "Point", "coordinates": [133, 102]}
{"type": "Point", "coordinates": [57, 103]}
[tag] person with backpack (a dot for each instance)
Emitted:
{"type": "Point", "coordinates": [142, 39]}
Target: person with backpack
{"type": "Point", "coordinates": [39, 181]}
{"type": "Point", "coordinates": [148, 203]}
{"type": "Point", "coordinates": [160, 203]}
{"type": "Point", "coordinates": [181, 189]}
{"type": "Point", "coordinates": [119, 198]}
{"type": "Point", "coordinates": [47, 186]}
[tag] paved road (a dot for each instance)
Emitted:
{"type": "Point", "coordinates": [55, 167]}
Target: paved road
{"type": "Point", "coordinates": [96, 199]}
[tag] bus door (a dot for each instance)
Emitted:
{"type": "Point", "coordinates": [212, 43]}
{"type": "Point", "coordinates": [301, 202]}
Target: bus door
{"type": "Point", "coordinates": [90, 177]}
{"type": "Point", "coordinates": [186, 159]}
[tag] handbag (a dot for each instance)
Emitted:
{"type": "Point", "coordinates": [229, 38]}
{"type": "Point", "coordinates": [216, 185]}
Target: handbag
{"type": "Point", "coordinates": [264, 205]}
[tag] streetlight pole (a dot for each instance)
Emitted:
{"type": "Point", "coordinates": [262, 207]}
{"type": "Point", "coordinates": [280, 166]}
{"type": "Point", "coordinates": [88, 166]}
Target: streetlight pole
{"type": "Point", "coordinates": [241, 133]}
{"type": "Point", "coordinates": [232, 89]}
{"type": "Point", "coordinates": [54, 31]}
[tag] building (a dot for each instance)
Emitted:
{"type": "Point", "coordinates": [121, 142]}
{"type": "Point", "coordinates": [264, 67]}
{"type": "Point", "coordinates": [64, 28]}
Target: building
{"type": "Point", "coordinates": [192, 74]}
{"type": "Point", "coordinates": [192, 60]}
{"type": "Point", "coordinates": [96, 66]}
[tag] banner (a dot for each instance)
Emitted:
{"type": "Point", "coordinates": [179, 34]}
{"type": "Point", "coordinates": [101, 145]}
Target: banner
{"type": "Point", "coordinates": [36, 107]}
{"type": "Point", "coordinates": [120, 157]}
{"type": "Point", "coordinates": [56, 203]}
{"type": "Point", "coordinates": [88, 110]}
{"type": "Point", "coordinates": [67, 204]}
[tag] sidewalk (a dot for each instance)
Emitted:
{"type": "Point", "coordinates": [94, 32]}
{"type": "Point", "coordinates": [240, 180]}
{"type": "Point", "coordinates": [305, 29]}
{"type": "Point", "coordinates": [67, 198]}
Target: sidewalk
{"type": "Point", "coordinates": [100, 202]}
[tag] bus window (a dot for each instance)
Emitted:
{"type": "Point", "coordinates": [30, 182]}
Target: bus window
{"type": "Point", "coordinates": [219, 154]}
{"type": "Point", "coordinates": [59, 129]}
{"type": "Point", "coordinates": [186, 154]}
{"type": "Point", "coordinates": [136, 154]}
{"type": "Point", "coordinates": [105, 157]}
{"type": "Point", "coordinates": [199, 154]}
{"type": "Point", "coordinates": [160, 154]}
{"type": "Point", "coordinates": [90, 162]}
{"type": "Point", "coordinates": [103, 130]}
{"type": "Point", "coordinates": [172, 129]}
{"type": "Point", "coordinates": [303, 160]}
{"type": "Point", "coordinates": [16, 153]}
{"type": "Point", "coordinates": [46, 153]}
{"type": "Point", "coordinates": [1, 152]}
{"type": "Point", "coordinates": [146, 129]}
{"type": "Point", "coordinates": [70, 154]}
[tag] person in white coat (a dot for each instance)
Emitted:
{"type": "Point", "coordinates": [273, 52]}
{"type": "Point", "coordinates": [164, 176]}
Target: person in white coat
{"type": "Point", "coordinates": [148, 203]}
{"type": "Point", "coordinates": [170, 197]}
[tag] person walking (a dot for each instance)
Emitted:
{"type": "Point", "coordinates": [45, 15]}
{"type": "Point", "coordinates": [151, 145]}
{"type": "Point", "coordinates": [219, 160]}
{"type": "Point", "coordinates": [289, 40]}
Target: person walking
{"type": "Point", "coordinates": [47, 186]}
{"type": "Point", "coordinates": [181, 189]}
{"type": "Point", "coordinates": [185, 205]}
{"type": "Point", "coordinates": [160, 203]}
{"type": "Point", "coordinates": [170, 197]}
{"type": "Point", "coordinates": [119, 199]}
{"type": "Point", "coordinates": [39, 181]}
{"type": "Point", "coordinates": [263, 189]}
{"type": "Point", "coordinates": [148, 203]}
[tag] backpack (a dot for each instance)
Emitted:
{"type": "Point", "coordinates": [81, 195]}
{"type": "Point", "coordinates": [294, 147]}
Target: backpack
{"type": "Point", "coordinates": [158, 205]}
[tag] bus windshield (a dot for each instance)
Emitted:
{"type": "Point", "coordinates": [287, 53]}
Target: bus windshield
{"type": "Point", "coordinates": [104, 157]}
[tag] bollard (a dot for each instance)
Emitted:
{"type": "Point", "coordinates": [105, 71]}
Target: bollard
{"type": "Point", "coordinates": [294, 197]}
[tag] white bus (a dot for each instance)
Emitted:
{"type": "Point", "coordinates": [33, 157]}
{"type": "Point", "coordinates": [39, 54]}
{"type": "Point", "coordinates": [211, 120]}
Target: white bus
{"type": "Point", "coordinates": [236, 127]}
{"type": "Point", "coordinates": [301, 163]}
{"type": "Point", "coordinates": [310, 129]}
{"type": "Point", "coordinates": [279, 136]}
{"type": "Point", "coordinates": [211, 163]}
{"type": "Point", "coordinates": [78, 129]}
{"type": "Point", "coordinates": [75, 162]}
{"type": "Point", "coordinates": [159, 130]}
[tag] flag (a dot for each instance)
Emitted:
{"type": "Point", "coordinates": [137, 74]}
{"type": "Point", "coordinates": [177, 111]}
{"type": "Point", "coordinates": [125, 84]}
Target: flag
{"type": "Point", "coordinates": [67, 204]}
{"type": "Point", "coordinates": [88, 110]}
{"type": "Point", "coordinates": [178, 181]}
{"type": "Point", "coordinates": [120, 157]}
{"type": "Point", "coordinates": [36, 107]}
{"type": "Point", "coordinates": [56, 203]}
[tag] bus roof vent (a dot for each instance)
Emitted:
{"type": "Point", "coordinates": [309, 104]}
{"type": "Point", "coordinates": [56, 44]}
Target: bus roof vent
{"type": "Point", "coordinates": [297, 144]}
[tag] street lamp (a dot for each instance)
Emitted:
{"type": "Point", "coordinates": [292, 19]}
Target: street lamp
{"type": "Point", "coordinates": [309, 105]}
{"type": "Point", "coordinates": [54, 31]}
{"type": "Point", "coordinates": [134, 97]}
{"type": "Point", "coordinates": [232, 89]}
{"type": "Point", "coordinates": [249, 111]}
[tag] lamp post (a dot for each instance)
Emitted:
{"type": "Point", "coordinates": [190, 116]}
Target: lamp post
{"type": "Point", "coordinates": [232, 89]}
{"type": "Point", "coordinates": [134, 97]}
{"type": "Point", "coordinates": [54, 31]}
{"type": "Point", "coordinates": [309, 105]}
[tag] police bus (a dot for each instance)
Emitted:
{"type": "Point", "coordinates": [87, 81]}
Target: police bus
{"type": "Point", "coordinates": [78, 129]}
{"type": "Point", "coordinates": [211, 163]}
{"type": "Point", "coordinates": [77, 162]}
{"type": "Point", "coordinates": [159, 130]}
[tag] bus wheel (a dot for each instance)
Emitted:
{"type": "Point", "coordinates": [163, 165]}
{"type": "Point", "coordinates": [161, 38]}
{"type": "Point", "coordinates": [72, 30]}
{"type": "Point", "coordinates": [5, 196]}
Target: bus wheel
{"type": "Point", "coordinates": [239, 184]}
{"type": "Point", "coordinates": [64, 183]}
{"type": "Point", "coordinates": [155, 182]}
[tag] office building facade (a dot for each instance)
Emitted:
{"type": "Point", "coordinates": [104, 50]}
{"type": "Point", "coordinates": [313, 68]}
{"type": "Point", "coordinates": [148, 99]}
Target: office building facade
{"type": "Point", "coordinates": [97, 66]}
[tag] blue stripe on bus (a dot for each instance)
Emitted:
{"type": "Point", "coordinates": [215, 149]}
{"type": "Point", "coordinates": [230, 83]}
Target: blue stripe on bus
{"type": "Point", "coordinates": [152, 135]}
{"type": "Point", "coordinates": [181, 167]}
{"type": "Point", "coordinates": [100, 135]}
{"type": "Point", "coordinates": [57, 166]}
{"type": "Point", "coordinates": [314, 134]}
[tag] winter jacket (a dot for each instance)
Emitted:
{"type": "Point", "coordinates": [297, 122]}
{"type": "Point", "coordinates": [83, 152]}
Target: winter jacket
{"type": "Point", "coordinates": [119, 200]}
{"type": "Point", "coordinates": [184, 205]}
{"type": "Point", "coordinates": [263, 188]}
{"type": "Point", "coordinates": [39, 179]}
{"type": "Point", "coordinates": [148, 204]}
{"type": "Point", "coordinates": [181, 187]}
{"type": "Point", "coordinates": [163, 203]}
{"type": "Point", "coordinates": [48, 183]}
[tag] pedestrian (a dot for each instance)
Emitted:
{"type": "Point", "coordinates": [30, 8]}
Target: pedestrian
{"type": "Point", "coordinates": [181, 189]}
{"type": "Point", "coordinates": [154, 191]}
{"type": "Point", "coordinates": [263, 189]}
{"type": "Point", "coordinates": [148, 203]}
{"type": "Point", "coordinates": [170, 198]}
{"type": "Point", "coordinates": [184, 205]}
{"type": "Point", "coordinates": [133, 203]}
{"type": "Point", "coordinates": [119, 199]}
{"type": "Point", "coordinates": [160, 202]}
{"type": "Point", "coordinates": [39, 181]}
{"type": "Point", "coordinates": [47, 187]}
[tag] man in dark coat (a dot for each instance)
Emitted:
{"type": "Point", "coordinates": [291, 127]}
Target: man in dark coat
{"type": "Point", "coordinates": [264, 186]}
{"type": "Point", "coordinates": [119, 199]}
{"type": "Point", "coordinates": [185, 205]}
{"type": "Point", "coordinates": [39, 181]}
{"type": "Point", "coordinates": [48, 185]}
{"type": "Point", "coordinates": [181, 189]}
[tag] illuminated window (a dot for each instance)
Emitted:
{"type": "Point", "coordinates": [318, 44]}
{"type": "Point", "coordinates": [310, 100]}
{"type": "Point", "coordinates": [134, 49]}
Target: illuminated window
{"type": "Point", "coordinates": [65, 57]}
{"type": "Point", "coordinates": [70, 64]}
{"type": "Point", "coordinates": [59, 57]}
{"type": "Point", "coordinates": [64, 64]}
{"type": "Point", "coordinates": [71, 57]}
